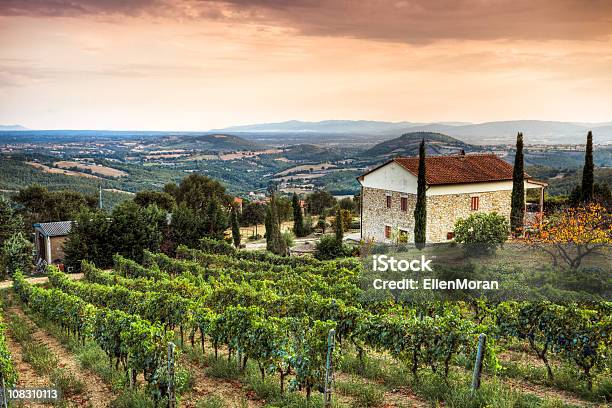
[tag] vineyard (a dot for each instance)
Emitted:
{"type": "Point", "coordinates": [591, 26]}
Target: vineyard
{"type": "Point", "coordinates": [253, 329]}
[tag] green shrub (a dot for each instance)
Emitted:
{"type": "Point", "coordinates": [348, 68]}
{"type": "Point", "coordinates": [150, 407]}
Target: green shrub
{"type": "Point", "coordinates": [328, 247]}
{"type": "Point", "coordinates": [16, 254]}
{"type": "Point", "coordinates": [482, 233]}
{"type": "Point", "coordinates": [289, 238]}
{"type": "Point", "coordinates": [213, 246]}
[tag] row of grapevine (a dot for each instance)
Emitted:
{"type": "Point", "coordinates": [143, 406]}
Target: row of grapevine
{"type": "Point", "coordinates": [581, 335]}
{"type": "Point", "coordinates": [331, 270]}
{"type": "Point", "coordinates": [447, 329]}
{"type": "Point", "coordinates": [220, 247]}
{"type": "Point", "coordinates": [129, 341]}
{"type": "Point", "coordinates": [184, 285]}
{"type": "Point", "coordinates": [446, 336]}
{"type": "Point", "coordinates": [285, 345]}
{"type": "Point", "coordinates": [167, 308]}
{"type": "Point", "coordinates": [163, 268]}
{"type": "Point", "coordinates": [8, 373]}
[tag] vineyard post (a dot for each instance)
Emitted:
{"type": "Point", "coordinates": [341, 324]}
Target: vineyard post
{"type": "Point", "coordinates": [478, 364]}
{"type": "Point", "coordinates": [171, 388]}
{"type": "Point", "coordinates": [329, 373]}
{"type": "Point", "coordinates": [3, 396]}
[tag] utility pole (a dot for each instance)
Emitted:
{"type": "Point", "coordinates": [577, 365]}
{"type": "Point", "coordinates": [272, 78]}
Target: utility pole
{"type": "Point", "coordinates": [100, 198]}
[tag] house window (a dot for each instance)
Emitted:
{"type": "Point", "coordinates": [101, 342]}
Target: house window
{"type": "Point", "coordinates": [475, 203]}
{"type": "Point", "coordinates": [387, 231]}
{"type": "Point", "coordinates": [404, 203]}
{"type": "Point", "coordinates": [450, 235]}
{"type": "Point", "coordinates": [388, 200]}
{"type": "Point", "coordinates": [403, 236]}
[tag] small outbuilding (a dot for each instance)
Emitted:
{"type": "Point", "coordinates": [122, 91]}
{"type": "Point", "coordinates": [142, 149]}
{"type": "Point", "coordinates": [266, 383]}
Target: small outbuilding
{"type": "Point", "coordinates": [49, 239]}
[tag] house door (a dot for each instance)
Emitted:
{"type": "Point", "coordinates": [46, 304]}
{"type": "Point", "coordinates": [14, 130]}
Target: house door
{"type": "Point", "coordinates": [42, 247]}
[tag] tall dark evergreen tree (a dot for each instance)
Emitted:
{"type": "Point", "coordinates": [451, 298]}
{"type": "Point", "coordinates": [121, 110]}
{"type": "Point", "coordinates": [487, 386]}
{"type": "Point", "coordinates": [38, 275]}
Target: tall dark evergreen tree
{"type": "Point", "coordinates": [275, 242]}
{"type": "Point", "coordinates": [420, 209]}
{"type": "Point", "coordinates": [587, 172]}
{"type": "Point", "coordinates": [268, 224]}
{"type": "Point", "coordinates": [215, 219]}
{"type": "Point", "coordinates": [517, 210]}
{"type": "Point", "coordinates": [338, 227]}
{"type": "Point", "coordinates": [235, 228]}
{"type": "Point", "coordinates": [298, 217]}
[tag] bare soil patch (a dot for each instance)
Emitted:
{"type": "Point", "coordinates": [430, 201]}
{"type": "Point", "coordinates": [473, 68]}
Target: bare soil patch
{"type": "Point", "coordinates": [38, 280]}
{"type": "Point", "coordinates": [94, 168]}
{"type": "Point", "coordinates": [53, 170]}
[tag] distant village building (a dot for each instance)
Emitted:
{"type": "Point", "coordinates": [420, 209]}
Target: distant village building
{"type": "Point", "coordinates": [50, 238]}
{"type": "Point", "coordinates": [457, 186]}
{"type": "Point", "coordinates": [238, 203]}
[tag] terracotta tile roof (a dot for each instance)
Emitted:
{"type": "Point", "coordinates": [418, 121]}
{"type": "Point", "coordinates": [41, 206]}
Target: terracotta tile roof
{"type": "Point", "coordinates": [469, 168]}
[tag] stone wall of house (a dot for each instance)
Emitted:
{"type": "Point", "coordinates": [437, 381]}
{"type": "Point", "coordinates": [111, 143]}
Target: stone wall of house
{"type": "Point", "coordinates": [444, 210]}
{"type": "Point", "coordinates": [57, 247]}
{"type": "Point", "coordinates": [376, 214]}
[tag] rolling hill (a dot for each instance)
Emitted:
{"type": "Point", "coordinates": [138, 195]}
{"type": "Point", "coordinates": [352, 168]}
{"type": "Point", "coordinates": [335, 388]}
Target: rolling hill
{"type": "Point", "coordinates": [310, 152]}
{"type": "Point", "coordinates": [217, 142]}
{"type": "Point", "coordinates": [408, 145]}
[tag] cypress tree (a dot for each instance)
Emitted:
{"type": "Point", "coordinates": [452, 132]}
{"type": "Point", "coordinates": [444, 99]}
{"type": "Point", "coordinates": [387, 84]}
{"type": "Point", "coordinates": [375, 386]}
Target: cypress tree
{"type": "Point", "coordinates": [587, 172]}
{"type": "Point", "coordinates": [338, 227]}
{"type": "Point", "coordinates": [268, 224]}
{"type": "Point", "coordinates": [298, 218]}
{"type": "Point", "coordinates": [517, 211]}
{"type": "Point", "coordinates": [235, 228]}
{"type": "Point", "coordinates": [275, 242]}
{"type": "Point", "coordinates": [420, 209]}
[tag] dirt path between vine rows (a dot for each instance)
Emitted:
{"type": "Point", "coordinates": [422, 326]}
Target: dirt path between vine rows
{"type": "Point", "coordinates": [543, 391]}
{"type": "Point", "coordinates": [230, 390]}
{"type": "Point", "coordinates": [28, 377]}
{"type": "Point", "coordinates": [37, 280]}
{"type": "Point", "coordinates": [96, 392]}
{"type": "Point", "coordinates": [396, 397]}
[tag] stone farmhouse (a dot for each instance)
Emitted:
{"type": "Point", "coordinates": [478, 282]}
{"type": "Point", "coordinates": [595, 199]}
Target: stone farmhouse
{"type": "Point", "coordinates": [457, 186]}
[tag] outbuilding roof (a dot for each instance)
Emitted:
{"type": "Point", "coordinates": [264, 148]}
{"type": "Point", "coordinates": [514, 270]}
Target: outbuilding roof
{"type": "Point", "coordinates": [54, 229]}
{"type": "Point", "coordinates": [458, 169]}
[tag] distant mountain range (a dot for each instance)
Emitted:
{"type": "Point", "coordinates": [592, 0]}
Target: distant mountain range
{"type": "Point", "coordinates": [347, 132]}
{"type": "Point", "coordinates": [12, 127]}
{"type": "Point", "coordinates": [535, 131]}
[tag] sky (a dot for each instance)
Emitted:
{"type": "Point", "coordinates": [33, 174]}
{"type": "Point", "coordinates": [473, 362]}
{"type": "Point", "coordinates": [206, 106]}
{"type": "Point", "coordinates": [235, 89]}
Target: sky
{"type": "Point", "coordinates": [202, 64]}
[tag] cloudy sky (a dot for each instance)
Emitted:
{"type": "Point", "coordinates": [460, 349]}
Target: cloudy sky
{"type": "Point", "coordinates": [201, 64]}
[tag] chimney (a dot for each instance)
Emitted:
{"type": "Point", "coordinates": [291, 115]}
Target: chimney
{"type": "Point", "coordinates": [462, 152]}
